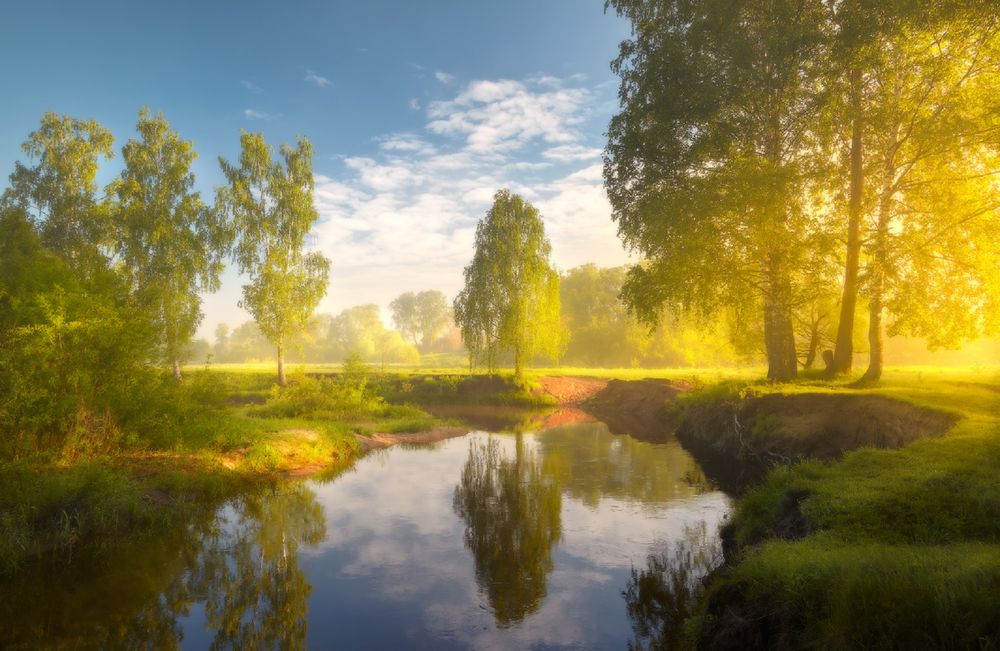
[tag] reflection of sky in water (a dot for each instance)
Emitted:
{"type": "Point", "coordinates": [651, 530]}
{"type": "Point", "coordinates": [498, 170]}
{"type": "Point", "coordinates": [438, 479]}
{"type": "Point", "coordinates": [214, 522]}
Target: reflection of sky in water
{"type": "Point", "coordinates": [377, 558]}
{"type": "Point", "coordinates": [394, 570]}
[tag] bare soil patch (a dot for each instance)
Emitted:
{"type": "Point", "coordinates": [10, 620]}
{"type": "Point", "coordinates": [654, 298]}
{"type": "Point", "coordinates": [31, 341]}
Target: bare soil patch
{"type": "Point", "coordinates": [572, 390]}
{"type": "Point", "coordinates": [640, 408]}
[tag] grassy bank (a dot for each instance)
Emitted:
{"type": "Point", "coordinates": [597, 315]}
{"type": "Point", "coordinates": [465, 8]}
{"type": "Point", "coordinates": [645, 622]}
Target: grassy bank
{"type": "Point", "coordinates": [174, 449]}
{"type": "Point", "coordinates": [901, 547]}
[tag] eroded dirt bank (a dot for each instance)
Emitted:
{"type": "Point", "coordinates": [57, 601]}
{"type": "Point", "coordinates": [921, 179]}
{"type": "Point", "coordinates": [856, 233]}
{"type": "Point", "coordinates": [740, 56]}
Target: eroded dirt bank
{"type": "Point", "coordinates": [738, 441]}
{"type": "Point", "coordinates": [640, 408]}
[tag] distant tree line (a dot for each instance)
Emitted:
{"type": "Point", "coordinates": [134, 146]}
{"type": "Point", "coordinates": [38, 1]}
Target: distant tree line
{"type": "Point", "coordinates": [328, 338]}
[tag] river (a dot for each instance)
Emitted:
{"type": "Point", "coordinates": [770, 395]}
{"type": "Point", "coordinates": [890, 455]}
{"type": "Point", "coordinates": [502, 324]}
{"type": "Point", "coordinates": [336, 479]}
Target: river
{"type": "Point", "coordinates": [486, 541]}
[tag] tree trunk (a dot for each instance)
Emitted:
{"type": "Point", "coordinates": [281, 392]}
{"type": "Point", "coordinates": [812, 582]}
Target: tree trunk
{"type": "Point", "coordinates": [177, 369]}
{"type": "Point", "coordinates": [779, 335]}
{"type": "Point", "coordinates": [877, 298]}
{"type": "Point", "coordinates": [518, 362]}
{"type": "Point", "coordinates": [844, 348]}
{"type": "Point", "coordinates": [281, 366]}
{"type": "Point", "coordinates": [813, 344]}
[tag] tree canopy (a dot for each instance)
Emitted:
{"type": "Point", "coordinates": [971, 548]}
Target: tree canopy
{"type": "Point", "coordinates": [270, 207]}
{"type": "Point", "coordinates": [421, 317]}
{"type": "Point", "coordinates": [510, 302]}
{"type": "Point", "coordinates": [168, 243]}
{"type": "Point", "coordinates": [707, 161]}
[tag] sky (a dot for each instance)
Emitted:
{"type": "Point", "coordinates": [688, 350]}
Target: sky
{"type": "Point", "coordinates": [419, 112]}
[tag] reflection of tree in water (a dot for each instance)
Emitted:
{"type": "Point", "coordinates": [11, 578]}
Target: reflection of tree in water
{"type": "Point", "coordinates": [593, 464]}
{"type": "Point", "coordinates": [255, 592]}
{"type": "Point", "coordinates": [512, 513]}
{"type": "Point", "coordinates": [247, 573]}
{"type": "Point", "coordinates": [663, 595]}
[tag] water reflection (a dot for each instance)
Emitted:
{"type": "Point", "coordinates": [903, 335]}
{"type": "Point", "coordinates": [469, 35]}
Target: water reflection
{"type": "Point", "coordinates": [592, 464]}
{"type": "Point", "coordinates": [491, 541]}
{"type": "Point", "coordinates": [512, 515]}
{"type": "Point", "coordinates": [662, 596]}
{"type": "Point", "coordinates": [248, 574]}
{"type": "Point", "coordinates": [240, 564]}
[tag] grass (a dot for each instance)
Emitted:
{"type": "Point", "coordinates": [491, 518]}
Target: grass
{"type": "Point", "coordinates": [183, 448]}
{"type": "Point", "coordinates": [905, 544]}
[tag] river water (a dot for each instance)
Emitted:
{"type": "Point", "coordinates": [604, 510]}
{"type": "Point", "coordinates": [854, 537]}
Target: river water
{"type": "Point", "coordinates": [487, 541]}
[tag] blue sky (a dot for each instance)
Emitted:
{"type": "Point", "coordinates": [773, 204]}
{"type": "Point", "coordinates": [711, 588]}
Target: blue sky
{"type": "Point", "coordinates": [418, 111]}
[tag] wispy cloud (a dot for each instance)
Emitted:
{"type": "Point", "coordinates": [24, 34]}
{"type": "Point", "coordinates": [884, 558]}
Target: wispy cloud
{"type": "Point", "coordinates": [253, 114]}
{"type": "Point", "coordinates": [317, 80]}
{"type": "Point", "coordinates": [503, 115]}
{"type": "Point", "coordinates": [414, 104]}
{"type": "Point", "coordinates": [410, 210]}
{"type": "Point", "coordinates": [252, 87]}
{"type": "Point", "coordinates": [574, 152]}
{"type": "Point", "coordinates": [444, 77]}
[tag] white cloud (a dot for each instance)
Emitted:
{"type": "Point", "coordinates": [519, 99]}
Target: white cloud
{"type": "Point", "coordinates": [567, 153]}
{"type": "Point", "coordinates": [317, 80]}
{"type": "Point", "coordinates": [444, 77]}
{"type": "Point", "coordinates": [405, 142]}
{"type": "Point", "coordinates": [253, 114]}
{"type": "Point", "coordinates": [252, 87]}
{"type": "Point", "coordinates": [504, 115]}
{"type": "Point", "coordinates": [404, 217]}
{"type": "Point", "coordinates": [414, 104]}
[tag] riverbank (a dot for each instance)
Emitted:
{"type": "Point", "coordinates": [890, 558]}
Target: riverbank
{"type": "Point", "coordinates": [197, 445]}
{"type": "Point", "coordinates": [867, 516]}
{"type": "Point", "coordinates": [876, 547]}
{"type": "Point", "coordinates": [829, 545]}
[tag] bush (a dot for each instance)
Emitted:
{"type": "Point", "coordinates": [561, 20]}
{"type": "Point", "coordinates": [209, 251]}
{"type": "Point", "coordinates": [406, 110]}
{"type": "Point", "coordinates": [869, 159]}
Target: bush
{"type": "Point", "coordinates": [344, 396]}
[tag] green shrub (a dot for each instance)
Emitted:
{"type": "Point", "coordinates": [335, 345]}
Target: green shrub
{"type": "Point", "coordinates": [344, 396]}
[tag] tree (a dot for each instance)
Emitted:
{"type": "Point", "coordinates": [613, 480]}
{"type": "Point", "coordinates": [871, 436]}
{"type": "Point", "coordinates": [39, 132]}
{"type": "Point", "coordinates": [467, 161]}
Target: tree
{"type": "Point", "coordinates": [404, 316]}
{"type": "Point", "coordinates": [861, 29]}
{"type": "Point", "coordinates": [221, 347]}
{"type": "Point", "coordinates": [510, 302]}
{"type": "Point", "coordinates": [169, 243]}
{"type": "Point", "coordinates": [707, 162]}
{"type": "Point", "coordinates": [420, 317]}
{"type": "Point", "coordinates": [934, 137]}
{"type": "Point", "coordinates": [359, 330]}
{"type": "Point", "coordinates": [57, 192]}
{"type": "Point", "coordinates": [271, 209]}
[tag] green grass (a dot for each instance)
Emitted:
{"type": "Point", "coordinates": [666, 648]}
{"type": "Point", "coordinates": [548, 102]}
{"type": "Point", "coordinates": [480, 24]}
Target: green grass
{"type": "Point", "coordinates": [905, 544]}
{"type": "Point", "coordinates": [181, 448]}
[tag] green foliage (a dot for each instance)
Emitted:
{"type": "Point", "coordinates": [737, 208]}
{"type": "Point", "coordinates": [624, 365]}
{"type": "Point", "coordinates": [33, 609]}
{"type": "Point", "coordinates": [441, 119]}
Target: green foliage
{"type": "Point", "coordinates": [346, 396]}
{"type": "Point", "coordinates": [270, 207]}
{"type": "Point", "coordinates": [510, 301]}
{"type": "Point", "coordinates": [71, 350]}
{"type": "Point", "coordinates": [359, 331]}
{"type": "Point", "coordinates": [601, 331]}
{"type": "Point", "coordinates": [707, 164]}
{"type": "Point", "coordinates": [57, 192]}
{"type": "Point", "coordinates": [168, 244]}
{"type": "Point", "coordinates": [421, 317]}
